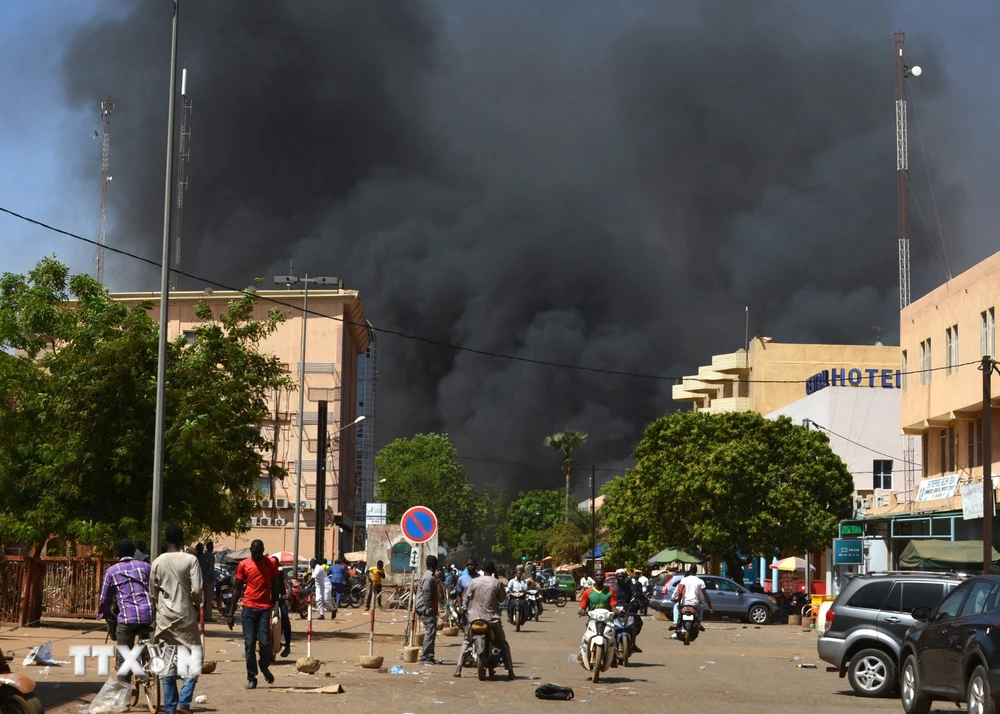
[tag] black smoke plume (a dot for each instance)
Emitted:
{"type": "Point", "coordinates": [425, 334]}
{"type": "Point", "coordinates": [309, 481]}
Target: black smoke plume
{"type": "Point", "coordinates": [606, 184]}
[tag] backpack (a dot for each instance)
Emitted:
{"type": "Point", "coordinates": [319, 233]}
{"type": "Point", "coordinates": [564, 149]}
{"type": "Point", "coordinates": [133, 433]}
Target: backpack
{"type": "Point", "coordinates": [554, 691]}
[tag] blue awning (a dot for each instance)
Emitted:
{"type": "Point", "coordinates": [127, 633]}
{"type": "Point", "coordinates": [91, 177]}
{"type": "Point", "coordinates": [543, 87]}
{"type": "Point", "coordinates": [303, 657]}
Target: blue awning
{"type": "Point", "coordinates": [600, 552]}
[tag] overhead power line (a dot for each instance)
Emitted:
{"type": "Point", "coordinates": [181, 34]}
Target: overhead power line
{"type": "Point", "coordinates": [419, 338]}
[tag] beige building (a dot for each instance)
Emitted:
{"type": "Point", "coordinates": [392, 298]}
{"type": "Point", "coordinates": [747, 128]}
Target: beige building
{"type": "Point", "coordinates": [332, 347]}
{"type": "Point", "coordinates": [773, 375]}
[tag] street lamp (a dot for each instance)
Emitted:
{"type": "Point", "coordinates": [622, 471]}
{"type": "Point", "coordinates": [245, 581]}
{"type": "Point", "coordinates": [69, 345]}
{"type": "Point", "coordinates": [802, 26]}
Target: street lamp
{"type": "Point", "coordinates": [293, 280]}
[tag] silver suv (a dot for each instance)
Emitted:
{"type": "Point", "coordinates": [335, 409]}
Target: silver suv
{"type": "Point", "coordinates": [866, 624]}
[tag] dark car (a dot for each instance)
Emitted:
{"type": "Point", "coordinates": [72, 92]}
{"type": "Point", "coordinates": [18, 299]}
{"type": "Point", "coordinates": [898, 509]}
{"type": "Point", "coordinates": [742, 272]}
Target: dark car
{"type": "Point", "coordinates": [865, 626]}
{"type": "Point", "coordinates": [728, 598]}
{"type": "Point", "coordinates": [952, 653]}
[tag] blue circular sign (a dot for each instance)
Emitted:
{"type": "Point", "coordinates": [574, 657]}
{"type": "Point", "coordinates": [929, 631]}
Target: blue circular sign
{"type": "Point", "coordinates": [419, 524]}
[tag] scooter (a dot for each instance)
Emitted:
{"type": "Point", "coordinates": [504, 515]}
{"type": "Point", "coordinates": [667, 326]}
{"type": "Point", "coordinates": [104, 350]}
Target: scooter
{"type": "Point", "coordinates": [487, 655]}
{"type": "Point", "coordinates": [534, 605]}
{"type": "Point", "coordinates": [597, 652]}
{"type": "Point", "coordinates": [553, 596]}
{"type": "Point", "coordinates": [16, 691]}
{"type": "Point", "coordinates": [687, 629]}
{"type": "Point", "coordinates": [625, 625]}
{"type": "Point", "coordinates": [298, 600]}
{"type": "Point", "coordinates": [519, 610]}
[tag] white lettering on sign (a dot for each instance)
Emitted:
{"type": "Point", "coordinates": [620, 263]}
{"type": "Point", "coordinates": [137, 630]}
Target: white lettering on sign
{"type": "Point", "coordinates": [940, 487]}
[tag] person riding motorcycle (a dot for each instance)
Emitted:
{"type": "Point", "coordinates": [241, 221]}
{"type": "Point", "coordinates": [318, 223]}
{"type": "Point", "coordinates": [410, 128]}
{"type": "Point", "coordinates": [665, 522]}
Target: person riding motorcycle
{"type": "Point", "coordinates": [517, 585]}
{"type": "Point", "coordinates": [597, 597]}
{"type": "Point", "coordinates": [484, 601]}
{"type": "Point", "coordinates": [690, 592]}
{"type": "Point", "coordinates": [625, 586]}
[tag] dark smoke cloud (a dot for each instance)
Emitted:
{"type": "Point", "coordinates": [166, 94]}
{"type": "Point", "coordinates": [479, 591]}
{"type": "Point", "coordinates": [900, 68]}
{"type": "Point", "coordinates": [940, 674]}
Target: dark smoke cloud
{"type": "Point", "coordinates": [596, 183]}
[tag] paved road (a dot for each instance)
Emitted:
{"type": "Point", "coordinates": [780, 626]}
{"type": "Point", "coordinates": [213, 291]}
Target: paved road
{"type": "Point", "coordinates": [731, 667]}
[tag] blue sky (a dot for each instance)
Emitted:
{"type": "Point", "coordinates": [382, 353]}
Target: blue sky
{"type": "Point", "coordinates": [45, 143]}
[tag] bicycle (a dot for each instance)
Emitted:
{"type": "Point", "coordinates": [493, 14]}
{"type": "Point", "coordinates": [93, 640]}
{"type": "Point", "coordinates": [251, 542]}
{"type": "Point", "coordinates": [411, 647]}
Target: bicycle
{"type": "Point", "coordinates": [148, 686]}
{"type": "Point", "coordinates": [392, 599]}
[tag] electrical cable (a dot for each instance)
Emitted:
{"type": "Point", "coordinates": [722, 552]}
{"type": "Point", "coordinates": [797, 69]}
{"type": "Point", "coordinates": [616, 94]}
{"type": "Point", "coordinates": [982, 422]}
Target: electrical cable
{"type": "Point", "coordinates": [405, 335]}
{"type": "Point", "coordinates": [930, 184]}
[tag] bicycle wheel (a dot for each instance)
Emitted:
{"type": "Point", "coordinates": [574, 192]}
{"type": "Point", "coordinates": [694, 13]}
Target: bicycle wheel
{"type": "Point", "coordinates": [152, 692]}
{"type": "Point", "coordinates": [387, 600]}
{"type": "Point", "coordinates": [358, 597]}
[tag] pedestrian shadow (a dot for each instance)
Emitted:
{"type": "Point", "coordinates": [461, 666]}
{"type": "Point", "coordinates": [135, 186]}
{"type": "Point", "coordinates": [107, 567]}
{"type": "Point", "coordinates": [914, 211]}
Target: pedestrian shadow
{"type": "Point", "coordinates": [54, 694]}
{"type": "Point", "coordinates": [635, 665]}
{"type": "Point", "coordinates": [619, 680]}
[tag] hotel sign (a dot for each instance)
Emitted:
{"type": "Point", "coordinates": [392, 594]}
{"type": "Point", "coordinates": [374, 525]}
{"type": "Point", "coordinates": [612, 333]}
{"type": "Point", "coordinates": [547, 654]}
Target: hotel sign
{"type": "Point", "coordinates": [935, 488]}
{"type": "Point", "coordinates": [855, 377]}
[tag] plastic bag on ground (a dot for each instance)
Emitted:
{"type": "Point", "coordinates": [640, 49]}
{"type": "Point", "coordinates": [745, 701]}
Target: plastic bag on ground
{"type": "Point", "coordinates": [113, 697]}
{"type": "Point", "coordinates": [554, 691]}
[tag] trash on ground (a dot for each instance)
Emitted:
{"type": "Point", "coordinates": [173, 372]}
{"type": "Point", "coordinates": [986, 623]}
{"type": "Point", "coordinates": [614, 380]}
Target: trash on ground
{"type": "Point", "coordinates": [328, 689]}
{"type": "Point", "coordinates": [113, 697]}
{"type": "Point", "coordinates": [806, 666]}
{"type": "Point", "coordinates": [42, 654]}
{"type": "Point", "coordinates": [200, 699]}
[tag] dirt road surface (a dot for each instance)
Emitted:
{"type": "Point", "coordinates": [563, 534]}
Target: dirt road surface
{"type": "Point", "coordinates": [732, 666]}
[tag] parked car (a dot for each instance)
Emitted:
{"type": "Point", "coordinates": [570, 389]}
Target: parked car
{"type": "Point", "coordinates": [866, 624]}
{"type": "Point", "coordinates": [952, 653]}
{"type": "Point", "coordinates": [728, 598]}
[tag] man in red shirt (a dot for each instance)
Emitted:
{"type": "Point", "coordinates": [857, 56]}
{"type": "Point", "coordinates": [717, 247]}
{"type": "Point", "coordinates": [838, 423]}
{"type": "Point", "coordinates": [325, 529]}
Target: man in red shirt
{"type": "Point", "coordinates": [256, 582]}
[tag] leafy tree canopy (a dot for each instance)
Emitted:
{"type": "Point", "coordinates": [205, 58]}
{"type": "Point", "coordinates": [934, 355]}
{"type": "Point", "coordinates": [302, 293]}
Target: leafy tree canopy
{"type": "Point", "coordinates": [569, 540]}
{"type": "Point", "coordinates": [526, 522]}
{"type": "Point", "coordinates": [424, 471]}
{"type": "Point", "coordinates": [78, 379]}
{"type": "Point", "coordinates": [724, 483]}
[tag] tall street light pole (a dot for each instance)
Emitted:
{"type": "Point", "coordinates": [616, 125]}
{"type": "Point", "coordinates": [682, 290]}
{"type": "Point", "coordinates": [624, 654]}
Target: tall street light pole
{"type": "Point", "coordinates": [156, 520]}
{"type": "Point", "coordinates": [293, 280]}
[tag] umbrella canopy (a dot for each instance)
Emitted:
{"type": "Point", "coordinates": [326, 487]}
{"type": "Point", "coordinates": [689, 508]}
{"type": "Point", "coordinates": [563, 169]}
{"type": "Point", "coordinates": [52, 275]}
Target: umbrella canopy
{"type": "Point", "coordinates": [677, 555]}
{"type": "Point", "coordinates": [235, 556]}
{"type": "Point", "coordinates": [358, 556]}
{"type": "Point", "coordinates": [790, 564]}
{"type": "Point", "coordinates": [600, 552]}
{"type": "Point", "coordinates": [942, 554]}
{"type": "Point", "coordinates": [285, 558]}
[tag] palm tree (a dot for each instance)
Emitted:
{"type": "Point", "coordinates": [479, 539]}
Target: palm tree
{"type": "Point", "coordinates": [566, 442]}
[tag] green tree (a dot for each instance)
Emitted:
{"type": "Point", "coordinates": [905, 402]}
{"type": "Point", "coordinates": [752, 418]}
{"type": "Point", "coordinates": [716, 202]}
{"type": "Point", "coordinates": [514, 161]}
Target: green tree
{"type": "Point", "coordinates": [526, 523]}
{"type": "Point", "coordinates": [566, 442]}
{"type": "Point", "coordinates": [424, 471]}
{"type": "Point", "coordinates": [78, 375]}
{"type": "Point", "coordinates": [724, 483]}
{"type": "Point", "coordinates": [569, 540]}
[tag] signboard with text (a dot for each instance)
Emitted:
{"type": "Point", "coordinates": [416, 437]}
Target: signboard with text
{"type": "Point", "coordinates": [374, 514]}
{"type": "Point", "coordinates": [854, 377]}
{"type": "Point", "coordinates": [934, 488]}
{"type": "Point", "coordinates": [851, 529]}
{"type": "Point", "coordinates": [972, 500]}
{"type": "Point", "coordinates": [848, 552]}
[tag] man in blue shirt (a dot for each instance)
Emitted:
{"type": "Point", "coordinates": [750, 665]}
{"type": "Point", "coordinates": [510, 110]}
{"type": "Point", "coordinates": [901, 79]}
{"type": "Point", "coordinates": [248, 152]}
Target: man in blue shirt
{"type": "Point", "coordinates": [339, 580]}
{"type": "Point", "coordinates": [471, 571]}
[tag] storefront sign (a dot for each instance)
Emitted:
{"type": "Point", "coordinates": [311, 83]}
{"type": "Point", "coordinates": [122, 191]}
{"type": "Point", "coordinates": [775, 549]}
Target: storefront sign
{"type": "Point", "coordinates": [972, 500]}
{"type": "Point", "coordinates": [850, 529]}
{"type": "Point", "coordinates": [940, 487]}
{"type": "Point", "coordinates": [848, 552]}
{"type": "Point", "coordinates": [882, 378]}
{"type": "Point", "coordinates": [374, 514]}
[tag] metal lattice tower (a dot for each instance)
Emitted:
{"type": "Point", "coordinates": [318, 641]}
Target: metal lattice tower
{"type": "Point", "coordinates": [107, 107]}
{"type": "Point", "coordinates": [903, 222]}
{"type": "Point", "coordinates": [184, 154]}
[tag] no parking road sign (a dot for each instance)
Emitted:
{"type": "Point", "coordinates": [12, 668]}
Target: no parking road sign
{"type": "Point", "coordinates": [419, 524]}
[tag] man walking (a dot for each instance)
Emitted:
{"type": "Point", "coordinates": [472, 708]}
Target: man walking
{"type": "Point", "coordinates": [484, 601]}
{"type": "Point", "coordinates": [286, 624]}
{"type": "Point", "coordinates": [339, 583]}
{"type": "Point", "coordinates": [427, 605]}
{"type": "Point", "coordinates": [375, 576]}
{"type": "Point", "coordinates": [126, 588]}
{"type": "Point", "coordinates": [207, 560]}
{"type": "Point", "coordinates": [175, 590]}
{"type": "Point", "coordinates": [256, 582]}
{"type": "Point", "coordinates": [321, 587]}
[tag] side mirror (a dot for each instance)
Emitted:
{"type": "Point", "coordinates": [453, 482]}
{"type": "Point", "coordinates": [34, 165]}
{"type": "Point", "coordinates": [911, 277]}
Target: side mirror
{"type": "Point", "coordinates": [921, 613]}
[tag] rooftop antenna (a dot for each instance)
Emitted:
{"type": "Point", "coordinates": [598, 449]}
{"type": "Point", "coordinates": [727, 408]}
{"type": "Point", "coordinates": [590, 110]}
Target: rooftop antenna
{"type": "Point", "coordinates": [107, 107]}
{"type": "Point", "coordinates": [184, 154]}
{"type": "Point", "coordinates": [903, 72]}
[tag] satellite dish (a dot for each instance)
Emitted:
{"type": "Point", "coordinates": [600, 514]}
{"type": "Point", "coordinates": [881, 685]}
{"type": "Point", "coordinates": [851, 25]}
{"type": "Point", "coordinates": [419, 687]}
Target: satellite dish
{"type": "Point", "coordinates": [916, 71]}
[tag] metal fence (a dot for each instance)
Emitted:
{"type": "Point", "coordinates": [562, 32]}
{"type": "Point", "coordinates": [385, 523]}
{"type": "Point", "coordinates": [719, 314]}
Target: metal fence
{"type": "Point", "coordinates": [12, 580]}
{"type": "Point", "coordinates": [71, 587]}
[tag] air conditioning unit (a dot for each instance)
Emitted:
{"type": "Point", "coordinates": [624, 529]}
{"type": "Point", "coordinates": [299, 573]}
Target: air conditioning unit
{"type": "Point", "coordinates": [265, 504]}
{"type": "Point", "coordinates": [279, 521]}
{"type": "Point", "coordinates": [281, 503]}
{"type": "Point", "coordinates": [306, 505]}
{"type": "Point", "coordinates": [253, 520]}
{"type": "Point", "coordinates": [264, 521]}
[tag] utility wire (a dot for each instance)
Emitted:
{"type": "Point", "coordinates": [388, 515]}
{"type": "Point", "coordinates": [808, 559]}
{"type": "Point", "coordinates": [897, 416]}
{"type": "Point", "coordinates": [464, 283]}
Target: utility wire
{"type": "Point", "coordinates": [408, 336]}
{"type": "Point", "coordinates": [930, 185]}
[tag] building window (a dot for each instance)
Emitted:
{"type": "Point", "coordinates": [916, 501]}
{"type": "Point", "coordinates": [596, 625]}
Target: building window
{"type": "Point", "coordinates": [925, 448]}
{"type": "Point", "coordinates": [951, 448]}
{"type": "Point", "coordinates": [191, 336]}
{"type": "Point", "coordinates": [904, 370]}
{"type": "Point", "coordinates": [882, 473]}
{"type": "Point", "coordinates": [975, 443]}
{"type": "Point", "coordinates": [943, 433]}
{"type": "Point", "coordinates": [988, 333]}
{"type": "Point", "coordinates": [951, 349]}
{"type": "Point", "coordinates": [925, 361]}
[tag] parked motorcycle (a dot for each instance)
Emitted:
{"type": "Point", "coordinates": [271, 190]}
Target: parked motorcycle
{"type": "Point", "coordinates": [626, 627]}
{"type": "Point", "coordinates": [224, 594]}
{"type": "Point", "coordinates": [553, 596]}
{"type": "Point", "coordinates": [487, 655]}
{"type": "Point", "coordinates": [534, 605]}
{"type": "Point", "coordinates": [597, 653]}
{"type": "Point", "coordinates": [687, 629]}
{"type": "Point", "coordinates": [299, 599]}
{"type": "Point", "coordinates": [519, 609]}
{"type": "Point", "coordinates": [17, 691]}
{"type": "Point", "coordinates": [455, 614]}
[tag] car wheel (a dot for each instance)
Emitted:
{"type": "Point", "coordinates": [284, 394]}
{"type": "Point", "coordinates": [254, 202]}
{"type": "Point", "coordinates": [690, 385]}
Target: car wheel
{"type": "Point", "coordinates": [913, 699]}
{"type": "Point", "coordinates": [979, 699]}
{"type": "Point", "coordinates": [758, 615]}
{"type": "Point", "coordinates": [872, 673]}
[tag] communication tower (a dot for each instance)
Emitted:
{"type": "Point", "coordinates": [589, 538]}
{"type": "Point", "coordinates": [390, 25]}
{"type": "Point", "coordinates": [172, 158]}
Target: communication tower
{"type": "Point", "coordinates": [107, 107]}
{"type": "Point", "coordinates": [184, 155]}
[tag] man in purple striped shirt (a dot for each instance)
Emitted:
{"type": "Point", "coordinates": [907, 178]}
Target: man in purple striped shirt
{"type": "Point", "coordinates": [125, 595]}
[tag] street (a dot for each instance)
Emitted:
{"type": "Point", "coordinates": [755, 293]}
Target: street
{"type": "Point", "coordinates": [732, 665]}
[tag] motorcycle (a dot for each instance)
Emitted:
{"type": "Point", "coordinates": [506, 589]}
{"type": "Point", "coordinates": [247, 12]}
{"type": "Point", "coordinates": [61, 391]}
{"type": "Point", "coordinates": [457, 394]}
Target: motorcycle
{"type": "Point", "coordinates": [642, 596]}
{"type": "Point", "coordinates": [626, 627]}
{"type": "Point", "coordinates": [487, 655]}
{"type": "Point", "coordinates": [224, 594]}
{"type": "Point", "coordinates": [298, 600]}
{"type": "Point", "coordinates": [355, 597]}
{"type": "Point", "coordinates": [687, 629]}
{"type": "Point", "coordinates": [553, 596]}
{"type": "Point", "coordinates": [455, 614]}
{"type": "Point", "coordinates": [16, 691]}
{"type": "Point", "coordinates": [519, 609]}
{"type": "Point", "coordinates": [597, 653]}
{"type": "Point", "coordinates": [534, 605]}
